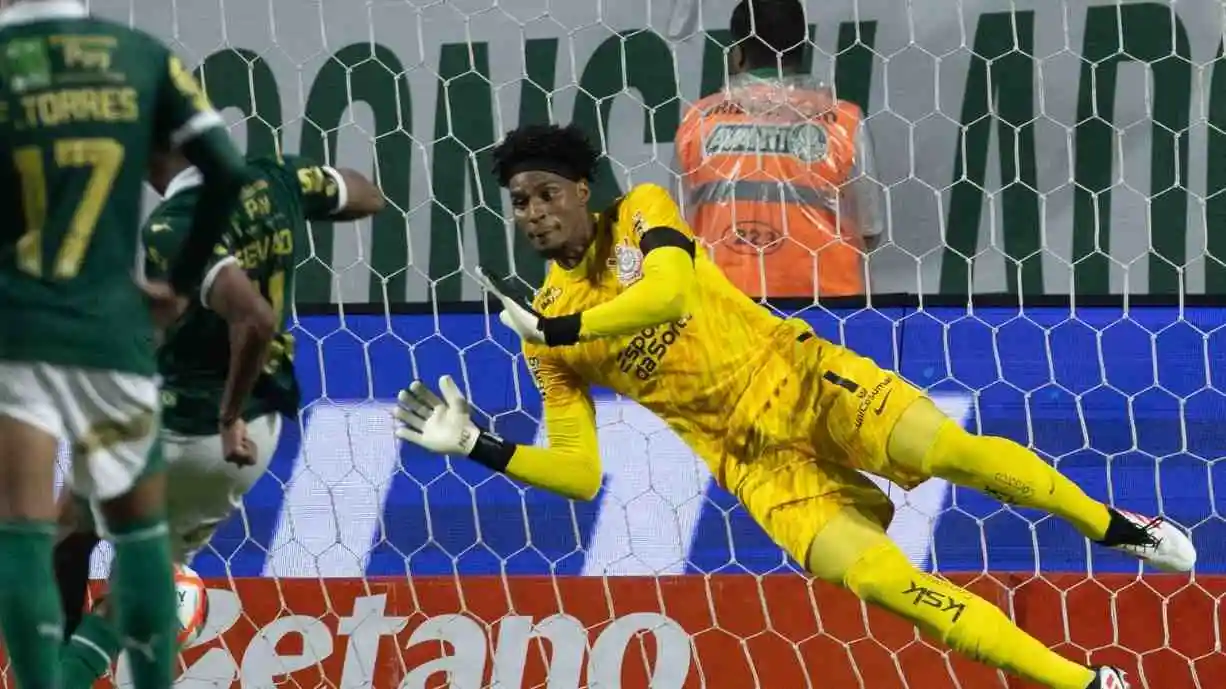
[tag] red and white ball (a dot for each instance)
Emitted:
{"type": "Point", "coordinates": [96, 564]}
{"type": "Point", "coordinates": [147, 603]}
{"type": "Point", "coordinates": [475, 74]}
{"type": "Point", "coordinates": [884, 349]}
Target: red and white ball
{"type": "Point", "coordinates": [193, 602]}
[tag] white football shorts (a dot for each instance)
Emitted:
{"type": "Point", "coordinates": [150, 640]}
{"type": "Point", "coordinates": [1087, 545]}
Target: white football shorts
{"type": "Point", "coordinates": [108, 418]}
{"type": "Point", "coordinates": [203, 489]}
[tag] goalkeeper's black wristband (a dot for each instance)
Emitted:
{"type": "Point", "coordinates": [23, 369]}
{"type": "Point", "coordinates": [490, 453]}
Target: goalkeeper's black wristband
{"type": "Point", "coordinates": [492, 451]}
{"type": "Point", "coordinates": [562, 330]}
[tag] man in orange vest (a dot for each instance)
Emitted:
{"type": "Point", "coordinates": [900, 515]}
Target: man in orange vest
{"type": "Point", "coordinates": [776, 173]}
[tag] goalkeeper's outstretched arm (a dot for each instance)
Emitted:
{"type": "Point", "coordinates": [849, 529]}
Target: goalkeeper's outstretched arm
{"type": "Point", "coordinates": [570, 466]}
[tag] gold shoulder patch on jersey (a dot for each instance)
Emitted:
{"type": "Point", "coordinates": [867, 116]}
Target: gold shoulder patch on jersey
{"type": "Point", "coordinates": [315, 181]}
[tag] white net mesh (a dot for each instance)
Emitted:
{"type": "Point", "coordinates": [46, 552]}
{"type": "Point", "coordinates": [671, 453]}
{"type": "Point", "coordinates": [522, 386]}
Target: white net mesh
{"type": "Point", "coordinates": [1023, 147]}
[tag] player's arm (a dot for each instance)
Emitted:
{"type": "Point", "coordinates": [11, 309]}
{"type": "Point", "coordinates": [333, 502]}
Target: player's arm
{"type": "Point", "coordinates": [75, 541]}
{"type": "Point", "coordinates": [227, 290]}
{"type": "Point", "coordinates": [570, 466]}
{"type": "Point", "coordinates": [186, 120]}
{"type": "Point", "coordinates": [330, 193]}
{"type": "Point", "coordinates": [249, 318]}
{"type": "Point", "coordinates": [863, 202]}
{"type": "Point", "coordinates": [252, 325]}
{"type": "Point", "coordinates": [661, 296]}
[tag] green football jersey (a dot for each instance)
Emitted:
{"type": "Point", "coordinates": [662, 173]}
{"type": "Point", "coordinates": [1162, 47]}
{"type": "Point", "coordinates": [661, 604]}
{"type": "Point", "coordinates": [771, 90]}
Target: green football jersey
{"type": "Point", "coordinates": [82, 104]}
{"type": "Point", "coordinates": [264, 238]}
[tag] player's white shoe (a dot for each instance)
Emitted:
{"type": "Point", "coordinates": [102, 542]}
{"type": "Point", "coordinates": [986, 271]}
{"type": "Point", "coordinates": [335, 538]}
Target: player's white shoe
{"type": "Point", "coordinates": [1108, 678]}
{"type": "Point", "coordinates": [1153, 540]}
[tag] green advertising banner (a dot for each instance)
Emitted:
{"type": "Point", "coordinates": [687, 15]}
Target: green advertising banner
{"type": "Point", "coordinates": [1033, 147]}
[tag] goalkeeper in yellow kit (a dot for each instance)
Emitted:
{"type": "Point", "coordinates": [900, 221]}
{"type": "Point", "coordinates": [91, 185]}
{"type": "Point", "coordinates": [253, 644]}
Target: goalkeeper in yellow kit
{"type": "Point", "coordinates": [785, 420]}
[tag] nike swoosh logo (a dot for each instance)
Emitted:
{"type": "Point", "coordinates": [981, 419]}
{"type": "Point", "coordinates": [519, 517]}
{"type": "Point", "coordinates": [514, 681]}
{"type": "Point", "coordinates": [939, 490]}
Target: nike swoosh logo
{"type": "Point", "coordinates": [881, 407]}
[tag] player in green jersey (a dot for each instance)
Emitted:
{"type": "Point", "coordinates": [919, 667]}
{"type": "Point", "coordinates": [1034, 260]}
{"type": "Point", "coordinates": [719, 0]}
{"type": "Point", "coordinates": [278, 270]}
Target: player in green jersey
{"type": "Point", "coordinates": [83, 103]}
{"type": "Point", "coordinates": [227, 364]}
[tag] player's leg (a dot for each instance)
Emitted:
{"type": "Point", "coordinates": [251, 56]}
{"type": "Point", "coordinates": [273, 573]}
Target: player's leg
{"type": "Point", "coordinates": [30, 615]}
{"type": "Point", "coordinates": [142, 590]}
{"type": "Point", "coordinates": [857, 406]}
{"type": "Point", "coordinates": [888, 427]}
{"type": "Point", "coordinates": [853, 550]}
{"type": "Point", "coordinates": [91, 641]}
{"type": "Point", "coordinates": [119, 466]}
{"type": "Point", "coordinates": [926, 441]}
{"type": "Point", "coordinates": [202, 491]}
{"type": "Point", "coordinates": [75, 542]}
{"type": "Point", "coordinates": [95, 643]}
{"type": "Point", "coordinates": [832, 518]}
{"type": "Point", "coordinates": [91, 650]}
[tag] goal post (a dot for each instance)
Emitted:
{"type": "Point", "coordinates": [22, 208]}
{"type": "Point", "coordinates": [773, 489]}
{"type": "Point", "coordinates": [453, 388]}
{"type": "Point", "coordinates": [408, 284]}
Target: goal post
{"type": "Point", "coordinates": [1055, 254]}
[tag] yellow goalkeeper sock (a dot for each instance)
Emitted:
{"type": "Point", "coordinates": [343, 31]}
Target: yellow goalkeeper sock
{"type": "Point", "coordinates": [1011, 473]}
{"type": "Point", "coordinates": [959, 618]}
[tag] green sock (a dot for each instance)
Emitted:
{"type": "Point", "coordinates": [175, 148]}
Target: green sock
{"type": "Point", "coordinates": [143, 596]}
{"type": "Point", "coordinates": [30, 613]}
{"type": "Point", "coordinates": [89, 653]}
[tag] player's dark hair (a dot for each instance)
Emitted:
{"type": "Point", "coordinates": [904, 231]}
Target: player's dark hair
{"type": "Point", "coordinates": [770, 32]}
{"type": "Point", "coordinates": [565, 151]}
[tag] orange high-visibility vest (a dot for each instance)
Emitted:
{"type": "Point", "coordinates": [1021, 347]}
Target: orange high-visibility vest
{"type": "Point", "coordinates": [776, 181]}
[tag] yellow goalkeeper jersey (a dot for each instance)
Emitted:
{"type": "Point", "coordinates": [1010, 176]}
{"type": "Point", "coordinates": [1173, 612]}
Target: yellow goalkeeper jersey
{"type": "Point", "coordinates": [695, 373]}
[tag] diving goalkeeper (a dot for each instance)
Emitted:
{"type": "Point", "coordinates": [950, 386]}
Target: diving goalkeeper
{"type": "Point", "coordinates": [785, 420]}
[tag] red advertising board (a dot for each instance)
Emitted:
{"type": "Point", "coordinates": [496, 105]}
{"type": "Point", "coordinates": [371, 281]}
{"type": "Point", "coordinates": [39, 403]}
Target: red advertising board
{"type": "Point", "coordinates": [692, 631]}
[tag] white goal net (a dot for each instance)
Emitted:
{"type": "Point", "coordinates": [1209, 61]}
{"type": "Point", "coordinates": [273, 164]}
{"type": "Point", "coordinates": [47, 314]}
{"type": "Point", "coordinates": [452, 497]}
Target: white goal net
{"type": "Point", "coordinates": [1072, 152]}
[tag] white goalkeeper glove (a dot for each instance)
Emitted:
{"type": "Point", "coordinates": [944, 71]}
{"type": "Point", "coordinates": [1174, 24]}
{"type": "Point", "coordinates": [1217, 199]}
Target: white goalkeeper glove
{"type": "Point", "coordinates": [445, 427]}
{"type": "Point", "coordinates": [518, 317]}
{"type": "Point", "coordinates": [439, 425]}
{"type": "Point", "coordinates": [531, 326]}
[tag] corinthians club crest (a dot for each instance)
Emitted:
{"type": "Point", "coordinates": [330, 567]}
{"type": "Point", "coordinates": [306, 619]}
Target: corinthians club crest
{"type": "Point", "coordinates": [628, 260]}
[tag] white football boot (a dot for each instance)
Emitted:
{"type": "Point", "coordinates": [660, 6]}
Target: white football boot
{"type": "Point", "coordinates": [1108, 678]}
{"type": "Point", "coordinates": [1153, 540]}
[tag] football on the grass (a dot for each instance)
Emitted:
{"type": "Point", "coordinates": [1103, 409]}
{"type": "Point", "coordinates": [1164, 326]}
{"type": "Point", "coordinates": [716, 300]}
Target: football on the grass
{"type": "Point", "coordinates": [193, 604]}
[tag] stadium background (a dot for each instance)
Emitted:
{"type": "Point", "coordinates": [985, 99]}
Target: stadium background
{"type": "Point", "coordinates": [1030, 149]}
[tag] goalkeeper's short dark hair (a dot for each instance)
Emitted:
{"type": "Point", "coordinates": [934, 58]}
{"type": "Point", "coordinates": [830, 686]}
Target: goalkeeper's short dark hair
{"type": "Point", "coordinates": [562, 150]}
{"type": "Point", "coordinates": [770, 32]}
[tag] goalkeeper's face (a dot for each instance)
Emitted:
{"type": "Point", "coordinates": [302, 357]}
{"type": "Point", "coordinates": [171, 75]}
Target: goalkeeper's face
{"type": "Point", "coordinates": [551, 211]}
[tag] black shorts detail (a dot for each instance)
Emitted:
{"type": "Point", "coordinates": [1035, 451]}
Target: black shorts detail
{"type": "Point", "coordinates": [840, 381]}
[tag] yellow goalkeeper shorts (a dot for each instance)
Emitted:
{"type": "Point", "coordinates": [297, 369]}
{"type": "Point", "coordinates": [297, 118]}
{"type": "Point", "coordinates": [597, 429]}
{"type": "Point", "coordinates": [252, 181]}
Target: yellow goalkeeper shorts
{"type": "Point", "coordinates": [814, 416]}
